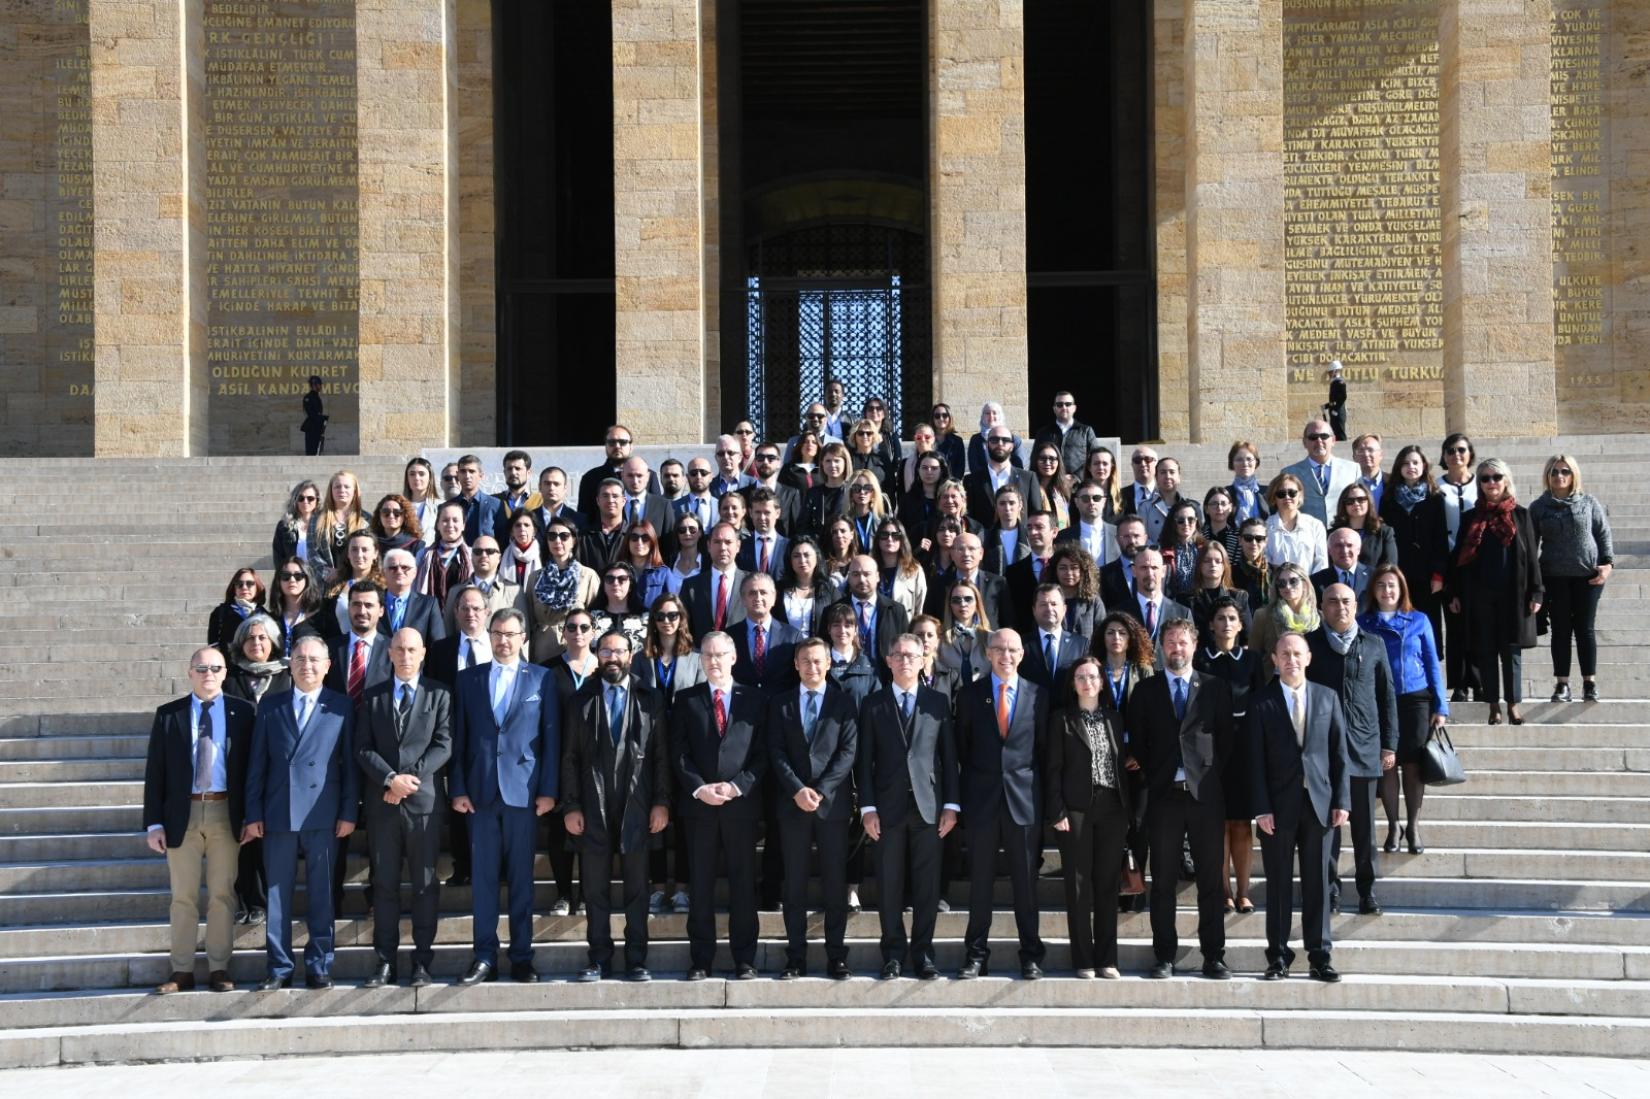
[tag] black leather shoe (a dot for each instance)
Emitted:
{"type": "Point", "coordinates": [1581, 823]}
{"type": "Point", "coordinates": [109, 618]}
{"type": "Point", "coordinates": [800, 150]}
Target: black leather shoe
{"type": "Point", "coordinates": [1325, 973]}
{"type": "Point", "coordinates": [590, 974]}
{"type": "Point", "coordinates": [790, 973]}
{"type": "Point", "coordinates": [1161, 971]}
{"type": "Point", "coordinates": [890, 971]}
{"type": "Point", "coordinates": [928, 971]}
{"type": "Point", "coordinates": [1415, 844]}
{"type": "Point", "coordinates": [317, 982]}
{"type": "Point", "coordinates": [972, 969]}
{"type": "Point", "coordinates": [1216, 971]}
{"type": "Point", "coordinates": [1369, 906]}
{"type": "Point", "coordinates": [1589, 692]}
{"type": "Point", "coordinates": [479, 972]}
{"type": "Point", "coordinates": [1391, 844]}
{"type": "Point", "coordinates": [744, 971]}
{"type": "Point", "coordinates": [696, 975]}
{"type": "Point", "coordinates": [1031, 971]}
{"type": "Point", "coordinates": [1334, 902]}
{"type": "Point", "coordinates": [1458, 695]}
{"type": "Point", "coordinates": [383, 975]}
{"type": "Point", "coordinates": [421, 977]}
{"type": "Point", "coordinates": [1561, 693]}
{"type": "Point", "coordinates": [1277, 971]}
{"type": "Point", "coordinates": [838, 970]}
{"type": "Point", "coordinates": [523, 973]}
{"type": "Point", "coordinates": [638, 973]}
{"type": "Point", "coordinates": [271, 984]}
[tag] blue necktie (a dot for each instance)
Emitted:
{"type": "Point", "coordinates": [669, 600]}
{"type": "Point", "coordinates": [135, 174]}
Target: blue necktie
{"type": "Point", "coordinates": [1179, 699]}
{"type": "Point", "coordinates": [397, 609]}
{"type": "Point", "coordinates": [810, 716]}
{"type": "Point", "coordinates": [615, 714]}
{"type": "Point", "coordinates": [1048, 651]}
{"type": "Point", "coordinates": [1323, 480]}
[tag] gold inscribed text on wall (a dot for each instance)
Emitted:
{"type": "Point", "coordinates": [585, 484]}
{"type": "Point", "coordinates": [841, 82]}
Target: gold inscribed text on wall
{"type": "Point", "coordinates": [1581, 197]}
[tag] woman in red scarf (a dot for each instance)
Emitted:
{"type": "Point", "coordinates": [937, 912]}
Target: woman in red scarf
{"type": "Point", "coordinates": [1495, 577]}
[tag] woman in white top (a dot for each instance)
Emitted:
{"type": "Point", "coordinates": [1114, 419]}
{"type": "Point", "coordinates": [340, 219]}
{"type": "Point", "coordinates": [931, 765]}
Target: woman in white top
{"type": "Point", "coordinates": [903, 579]}
{"type": "Point", "coordinates": [1292, 536]}
{"type": "Point", "coordinates": [688, 561]}
{"type": "Point", "coordinates": [804, 590]}
{"type": "Point", "coordinates": [418, 486]}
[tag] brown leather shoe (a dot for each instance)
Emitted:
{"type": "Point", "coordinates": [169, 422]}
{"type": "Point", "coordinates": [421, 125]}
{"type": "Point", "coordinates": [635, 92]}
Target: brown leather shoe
{"type": "Point", "coordinates": [180, 982]}
{"type": "Point", "coordinates": [220, 982]}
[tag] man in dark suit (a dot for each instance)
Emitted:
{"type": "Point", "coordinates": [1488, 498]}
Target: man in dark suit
{"type": "Point", "coordinates": [1089, 528]}
{"type": "Point", "coordinates": [505, 774]}
{"type": "Point", "coordinates": [1068, 433]}
{"type": "Point", "coordinates": [765, 550]}
{"type": "Point", "coordinates": [1139, 493]}
{"type": "Point", "coordinates": [194, 799]}
{"type": "Point", "coordinates": [720, 756]}
{"type": "Point", "coordinates": [483, 514]}
{"type": "Point", "coordinates": [641, 503]}
{"type": "Point", "coordinates": [909, 799]}
{"type": "Point", "coordinates": [880, 618]}
{"type": "Point", "coordinates": [1150, 606]}
{"type": "Point", "coordinates": [765, 647]}
{"type": "Point", "coordinates": [982, 485]}
{"type": "Point", "coordinates": [553, 493]}
{"type": "Point", "coordinates": [813, 734]}
{"type": "Point", "coordinates": [768, 465]}
{"type": "Point", "coordinates": [697, 500]}
{"type": "Point", "coordinates": [1300, 789]}
{"type": "Point", "coordinates": [966, 553]}
{"type": "Point", "coordinates": [712, 595]}
{"type": "Point", "coordinates": [1180, 736]}
{"type": "Point", "coordinates": [1002, 719]}
{"type": "Point", "coordinates": [465, 648]}
{"type": "Point", "coordinates": [361, 658]}
{"type": "Point", "coordinates": [407, 609]}
{"type": "Point", "coordinates": [1023, 576]}
{"type": "Point", "coordinates": [617, 442]}
{"type": "Point", "coordinates": [302, 797]}
{"type": "Point", "coordinates": [1344, 567]}
{"type": "Point", "coordinates": [1051, 649]}
{"type": "Point", "coordinates": [403, 739]}
{"type": "Point", "coordinates": [1354, 665]}
{"type": "Point", "coordinates": [615, 775]}
{"type": "Point", "coordinates": [1117, 577]}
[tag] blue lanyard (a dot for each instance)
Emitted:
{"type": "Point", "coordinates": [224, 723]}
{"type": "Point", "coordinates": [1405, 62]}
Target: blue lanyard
{"type": "Point", "coordinates": [664, 673]}
{"type": "Point", "coordinates": [1119, 686]}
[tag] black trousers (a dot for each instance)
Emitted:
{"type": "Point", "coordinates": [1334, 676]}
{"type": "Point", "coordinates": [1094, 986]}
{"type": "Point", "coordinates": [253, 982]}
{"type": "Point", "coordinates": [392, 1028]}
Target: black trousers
{"type": "Point", "coordinates": [397, 834]}
{"type": "Point", "coordinates": [1297, 829]}
{"type": "Point", "coordinates": [1172, 819]}
{"type": "Point", "coordinates": [1496, 649]}
{"type": "Point", "coordinates": [773, 850]}
{"type": "Point", "coordinates": [912, 847]}
{"type": "Point", "coordinates": [797, 831]}
{"type": "Point", "coordinates": [1021, 844]}
{"type": "Point", "coordinates": [561, 851]}
{"type": "Point", "coordinates": [313, 442]}
{"type": "Point", "coordinates": [1460, 668]}
{"type": "Point", "coordinates": [1572, 608]}
{"type": "Point", "coordinates": [596, 874]}
{"type": "Point", "coordinates": [1091, 854]}
{"type": "Point", "coordinates": [250, 886]}
{"type": "Point", "coordinates": [712, 833]}
{"type": "Point", "coordinates": [1365, 855]}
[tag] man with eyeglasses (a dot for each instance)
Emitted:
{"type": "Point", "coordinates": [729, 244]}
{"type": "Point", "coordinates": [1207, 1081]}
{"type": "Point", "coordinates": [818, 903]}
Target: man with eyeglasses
{"type": "Point", "coordinates": [764, 551]}
{"type": "Point", "coordinates": [406, 608]}
{"type": "Point", "coordinates": [813, 419]}
{"type": "Point", "coordinates": [1090, 530]}
{"type": "Point", "coordinates": [617, 442]}
{"type": "Point", "coordinates": [505, 775]}
{"type": "Point", "coordinates": [1345, 544]}
{"type": "Point", "coordinates": [966, 554]}
{"type": "Point", "coordinates": [465, 647]}
{"type": "Point", "coordinates": [483, 514]}
{"type": "Point", "coordinates": [697, 501]}
{"type": "Point", "coordinates": [1068, 433]}
{"type": "Point", "coordinates": [728, 477]}
{"type": "Point", "coordinates": [766, 478]}
{"type": "Point", "coordinates": [194, 802]}
{"type": "Point", "coordinates": [518, 467]}
{"type": "Point", "coordinates": [1137, 497]}
{"type": "Point", "coordinates": [496, 590]}
{"type": "Point", "coordinates": [983, 485]}
{"type": "Point", "coordinates": [1367, 452]}
{"type": "Point", "coordinates": [1321, 473]}
{"type": "Point", "coordinates": [616, 791]}
{"type": "Point", "coordinates": [302, 798]}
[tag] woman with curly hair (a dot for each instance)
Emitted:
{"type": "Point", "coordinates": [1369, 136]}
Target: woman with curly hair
{"type": "Point", "coordinates": [1073, 569]}
{"type": "Point", "coordinates": [395, 525]}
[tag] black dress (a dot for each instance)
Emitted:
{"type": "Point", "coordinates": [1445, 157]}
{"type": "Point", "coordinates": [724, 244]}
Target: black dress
{"type": "Point", "coordinates": [1202, 605]}
{"type": "Point", "coordinates": [1241, 668]}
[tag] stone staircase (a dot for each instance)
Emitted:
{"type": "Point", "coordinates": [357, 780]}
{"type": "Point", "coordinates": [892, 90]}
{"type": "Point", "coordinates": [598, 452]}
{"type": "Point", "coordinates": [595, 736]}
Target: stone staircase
{"type": "Point", "coordinates": [1524, 927]}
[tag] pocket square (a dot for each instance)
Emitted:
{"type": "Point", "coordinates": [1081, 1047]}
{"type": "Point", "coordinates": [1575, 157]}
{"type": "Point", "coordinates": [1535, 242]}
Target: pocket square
{"type": "Point", "coordinates": [531, 698]}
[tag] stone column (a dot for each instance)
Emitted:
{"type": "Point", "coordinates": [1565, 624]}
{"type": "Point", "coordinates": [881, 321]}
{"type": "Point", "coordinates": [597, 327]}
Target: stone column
{"type": "Point", "coordinates": [1496, 199]}
{"type": "Point", "coordinates": [658, 220]}
{"type": "Point", "coordinates": [1169, 204]}
{"type": "Point", "coordinates": [978, 218]}
{"type": "Point", "coordinates": [149, 243]}
{"type": "Point", "coordinates": [406, 86]}
{"type": "Point", "coordinates": [477, 222]}
{"type": "Point", "coordinates": [1234, 220]}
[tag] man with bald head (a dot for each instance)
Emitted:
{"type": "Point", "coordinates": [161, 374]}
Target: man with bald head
{"type": "Point", "coordinates": [1321, 473]}
{"type": "Point", "coordinates": [641, 504]}
{"type": "Point", "coordinates": [403, 738]}
{"type": "Point", "coordinates": [729, 457]}
{"type": "Point", "coordinates": [967, 552]}
{"type": "Point", "coordinates": [879, 618]}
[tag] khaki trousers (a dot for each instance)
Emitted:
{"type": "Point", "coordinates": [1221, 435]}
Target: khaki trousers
{"type": "Point", "coordinates": [208, 837]}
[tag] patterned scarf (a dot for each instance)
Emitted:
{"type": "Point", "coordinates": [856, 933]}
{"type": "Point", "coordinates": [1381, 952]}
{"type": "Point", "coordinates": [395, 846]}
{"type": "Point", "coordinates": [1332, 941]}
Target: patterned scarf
{"type": "Point", "coordinates": [1409, 496]}
{"type": "Point", "coordinates": [1488, 518]}
{"type": "Point", "coordinates": [556, 586]}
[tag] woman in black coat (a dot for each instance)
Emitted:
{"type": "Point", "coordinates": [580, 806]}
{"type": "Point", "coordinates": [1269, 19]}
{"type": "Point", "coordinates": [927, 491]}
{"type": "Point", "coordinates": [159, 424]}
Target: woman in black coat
{"type": "Point", "coordinates": [1222, 654]}
{"type": "Point", "coordinates": [1495, 580]}
{"type": "Point", "coordinates": [1414, 512]}
{"type": "Point", "coordinates": [256, 668]}
{"type": "Point", "coordinates": [1356, 510]}
{"type": "Point", "coordinates": [241, 600]}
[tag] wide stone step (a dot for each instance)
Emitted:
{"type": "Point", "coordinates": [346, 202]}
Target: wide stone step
{"type": "Point", "coordinates": [108, 747]}
{"type": "Point", "coordinates": [70, 818]}
{"type": "Point", "coordinates": [1479, 806]}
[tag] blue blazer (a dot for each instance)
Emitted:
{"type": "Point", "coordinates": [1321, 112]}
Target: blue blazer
{"type": "Point", "coordinates": [303, 782]}
{"type": "Point", "coordinates": [517, 763]}
{"type": "Point", "coordinates": [485, 515]}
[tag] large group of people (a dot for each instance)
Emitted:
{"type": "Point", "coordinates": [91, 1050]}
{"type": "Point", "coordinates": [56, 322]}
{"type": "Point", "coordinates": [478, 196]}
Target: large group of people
{"type": "Point", "coordinates": [900, 664]}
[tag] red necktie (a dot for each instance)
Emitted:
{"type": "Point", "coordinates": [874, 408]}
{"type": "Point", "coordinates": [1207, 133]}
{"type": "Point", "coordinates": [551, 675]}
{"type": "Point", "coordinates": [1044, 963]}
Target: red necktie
{"type": "Point", "coordinates": [721, 714]}
{"type": "Point", "coordinates": [759, 651]}
{"type": "Point", "coordinates": [357, 671]}
{"type": "Point", "coordinates": [721, 599]}
{"type": "Point", "coordinates": [762, 559]}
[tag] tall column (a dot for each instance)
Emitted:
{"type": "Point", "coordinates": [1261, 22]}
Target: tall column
{"type": "Point", "coordinates": [1169, 204]}
{"type": "Point", "coordinates": [978, 221]}
{"type": "Point", "coordinates": [1496, 198]}
{"type": "Point", "coordinates": [477, 223]}
{"type": "Point", "coordinates": [148, 241]}
{"type": "Point", "coordinates": [658, 220]}
{"type": "Point", "coordinates": [406, 86]}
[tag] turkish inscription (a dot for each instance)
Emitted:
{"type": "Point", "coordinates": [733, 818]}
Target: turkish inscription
{"type": "Point", "coordinates": [281, 199]}
{"type": "Point", "coordinates": [1581, 195]}
{"type": "Point", "coordinates": [1362, 231]}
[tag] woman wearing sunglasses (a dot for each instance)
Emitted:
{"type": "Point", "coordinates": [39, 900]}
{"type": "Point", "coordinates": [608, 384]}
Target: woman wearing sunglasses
{"type": "Point", "coordinates": [294, 602]}
{"type": "Point", "coordinates": [1576, 555]}
{"type": "Point", "coordinates": [1292, 536]}
{"type": "Point", "coordinates": [1293, 608]}
{"type": "Point", "coordinates": [292, 531]}
{"type": "Point", "coordinates": [903, 579]}
{"type": "Point", "coordinates": [242, 598]}
{"type": "Point", "coordinates": [561, 585]}
{"type": "Point", "coordinates": [641, 553]}
{"type": "Point", "coordinates": [619, 606]}
{"type": "Point", "coordinates": [1355, 510]}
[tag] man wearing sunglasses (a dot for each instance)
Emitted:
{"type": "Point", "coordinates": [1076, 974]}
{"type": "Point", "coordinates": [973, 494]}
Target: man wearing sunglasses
{"type": "Point", "coordinates": [496, 590]}
{"type": "Point", "coordinates": [767, 465]}
{"type": "Point", "coordinates": [1321, 473]}
{"type": "Point", "coordinates": [407, 609]}
{"type": "Point", "coordinates": [617, 443]}
{"type": "Point", "coordinates": [814, 420]}
{"type": "Point", "coordinates": [1068, 433]}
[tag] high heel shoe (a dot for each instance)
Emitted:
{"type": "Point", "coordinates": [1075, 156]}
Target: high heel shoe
{"type": "Point", "coordinates": [1415, 844]}
{"type": "Point", "coordinates": [1391, 843]}
{"type": "Point", "coordinates": [1514, 715]}
{"type": "Point", "coordinates": [1495, 715]}
{"type": "Point", "coordinates": [1561, 692]}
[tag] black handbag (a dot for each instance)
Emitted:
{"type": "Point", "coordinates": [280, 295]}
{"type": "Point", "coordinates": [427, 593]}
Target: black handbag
{"type": "Point", "coordinates": [1440, 766]}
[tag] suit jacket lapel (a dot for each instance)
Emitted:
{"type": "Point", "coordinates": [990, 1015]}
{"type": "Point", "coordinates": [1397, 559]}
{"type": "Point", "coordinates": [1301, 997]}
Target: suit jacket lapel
{"type": "Point", "coordinates": [1191, 700]}
{"type": "Point", "coordinates": [515, 693]}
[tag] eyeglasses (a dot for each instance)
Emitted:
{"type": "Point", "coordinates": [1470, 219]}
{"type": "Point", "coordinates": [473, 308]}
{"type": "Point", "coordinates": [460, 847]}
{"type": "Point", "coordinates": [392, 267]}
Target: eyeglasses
{"type": "Point", "coordinates": [1065, 404]}
{"type": "Point", "coordinates": [1318, 436]}
{"type": "Point", "coordinates": [1090, 498]}
{"type": "Point", "coordinates": [1142, 460]}
{"type": "Point", "coordinates": [1048, 457]}
{"type": "Point", "coordinates": [450, 479]}
{"type": "Point", "coordinates": [1000, 440]}
{"type": "Point", "coordinates": [558, 536]}
{"type": "Point", "coordinates": [1288, 582]}
{"type": "Point", "coordinates": [938, 415]}
{"type": "Point", "coordinates": [894, 534]}
{"type": "Point", "coordinates": [864, 431]}
{"type": "Point", "coordinates": [767, 457]}
{"type": "Point", "coordinates": [208, 669]}
{"type": "Point", "coordinates": [744, 431]}
{"type": "Point", "coordinates": [409, 568]}
{"type": "Point", "coordinates": [959, 600]}
{"type": "Point", "coordinates": [903, 655]}
{"type": "Point", "coordinates": [484, 551]}
{"type": "Point", "coordinates": [1490, 478]}
{"type": "Point", "coordinates": [1286, 494]}
{"type": "Point", "coordinates": [816, 415]}
{"type": "Point", "coordinates": [667, 616]}
{"type": "Point", "coordinates": [577, 627]}
{"type": "Point", "coordinates": [862, 488]}
{"type": "Point", "coordinates": [617, 442]}
{"type": "Point", "coordinates": [390, 511]}
{"type": "Point", "coordinates": [1185, 520]}
{"type": "Point", "coordinates": [505, 633]}
{"type": "Point", "coordinates": [1562, 473]}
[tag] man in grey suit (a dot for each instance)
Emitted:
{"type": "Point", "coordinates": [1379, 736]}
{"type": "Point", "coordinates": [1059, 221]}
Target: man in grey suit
{"type": "Point", "coordinates": [1321, 474]}
{"type": "Point", "coordinates": [1300, 791]}
{"type": "Point", "coordinates": [403, 739]}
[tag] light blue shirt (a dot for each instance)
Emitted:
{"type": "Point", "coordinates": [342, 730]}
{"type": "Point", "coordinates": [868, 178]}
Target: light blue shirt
{"type": "Point", "coordinates": [220, 772]}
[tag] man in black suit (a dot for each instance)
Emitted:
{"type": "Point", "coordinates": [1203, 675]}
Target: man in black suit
{"type": "Point", "coordinates": [615, 781]}
{"type": "Point", "coordinates": [982, 485]}
{"type": "Point", "coordinates": [1002, 719]}
{"type": "Point", "coordinates": [712, 595]}
{"type": "Point", "coordinates": [1344, 567]}
{"type": "Point", "coordinates": [1354, 665]}
{"type": "Point", "coordinates": [1117, 576]}
{"type": "Point", "coordinates": [813, 734]}
{"type": "Point", "coordinates": [1005, 541]}
{"type": "Point", "coordinates": [720, 757]}
{"type": "Point", "coordinates": [767, 466]}
{"type": "Point", "coordinates": [909, 799]}
{"type": "Point", "coordinates": [966, 554]}
{"type": "Point", "coordinates": [553, 491]}
{"type": "Point", "coordinates": [1089, 528]}
{"type": "Point", "coordinates": [194, 800]}
{"type": "Point", "coordinates": [1138, 494]}
{"type": "Point", "coordinates": [765, 550]}
{"type": "Point", "coordinates": [617, 442]}
{"type": "Point", "coordinates": [361, 658]}
{"type": "Point", "coordinates": [1180, 736]}
{"type": "Point", "coordinates": [465, 648]}
{"type": "Point", "coordinates": [880, 618]}
{"type": "Point", "coordinates": [1068, 433]}
{"type": "Point", "coordinates": [1300, 789]}
{"type": "Point", "coordinates": [405, 608]}
{"type": "Point", "coordinates": [1150, 606]}
{"type": "Point", "coordinates": [765, 659]}
{"type": "Point", "coordinates": [1051, 649]}
{"type": "Point", "coordinates": [403, 739]}
{"type": "Point", "coordinates": [644, 504]}
{"type": "Point", "coordinates": [1023, 576]}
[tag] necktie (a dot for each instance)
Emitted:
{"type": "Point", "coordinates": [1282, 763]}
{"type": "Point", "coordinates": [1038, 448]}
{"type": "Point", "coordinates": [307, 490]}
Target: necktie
{"type": "Point", "coordinates": [206, 751]}
{"type": "Point", "coordinates": [357, 671]}
{"type": "Point", "coordinates": [1048, 652]}
{"type": "Point", "coordinates": [501, 693]}
{"type": "Point", "coordinates": [1151, 617]}
{"type": "Point", "coordinates": [1323, 480]}
{"type": "Point", "coordinates": [720, 709]}
{"type": "Point", "coordinates": [469, 653]}
{"type": "Point", "coordinates": [721, 599]}
{"type": "Point", "coordinates": [905, 707]}
{"type": "Point", "coordinates": [306, 705]}
{"type": "Point", "coordinates": [865, 628]}
{"type": "Point", "coordinates": [759, 651]}
{"type": "Point", "coordinates": [1346, 577]}
{"type": "Point", "coordinates": [1037, 568]}
{"type": "Point", "coordinates": [1298, 708]}
{"type": "Point", "coordinates": [761, 555]}
{"type": "Point", "coordinates": [1002, 710]}
{"type": "Point", "coordinates": [1179, 698]}
{"type": "Point", "coordinates": [810, 715]}
{"type": "Point", "coordinates": [635, 511]}
{"type": "Point", "coordinates": [615, 714]}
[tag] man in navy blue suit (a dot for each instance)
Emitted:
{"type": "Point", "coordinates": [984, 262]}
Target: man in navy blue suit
{"type": "Point", "coordinates": [302, 794]}
{"type": "Point", "coordinates": [505, 774]}
{"type": "Point", "coordinates": [483, 514]}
